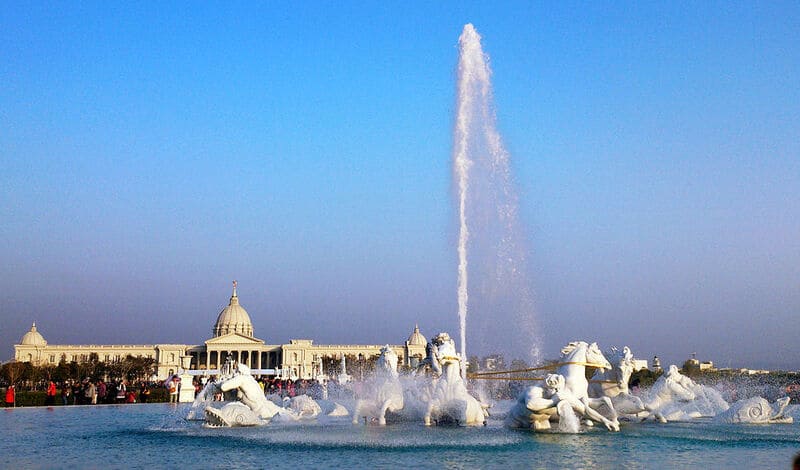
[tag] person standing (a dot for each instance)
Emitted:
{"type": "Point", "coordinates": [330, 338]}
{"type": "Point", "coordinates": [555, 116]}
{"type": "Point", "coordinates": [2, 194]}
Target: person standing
{"type": "Point", "coordinates": [11, 397]}
{"type": "Point", "coordinates": [121, 391]}
{"type": "Point", "coordinates": [144, 395]}
{"type": "Point", "coordinates": [90, 393]}
{"type": "Point", "coordinates": [173, 390]}
{"type": "Point", "coordinates": [65, 391]}
{"type": "Point", "coordinates": [101, 391]}
{"type": "Point", "coordinates": [51, 394]}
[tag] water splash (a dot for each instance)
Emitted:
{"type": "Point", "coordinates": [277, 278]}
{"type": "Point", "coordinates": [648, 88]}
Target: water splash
{"type": "Point", "coordinates": [491, 252]}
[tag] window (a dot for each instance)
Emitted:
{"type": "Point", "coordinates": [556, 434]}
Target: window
{"type": "Point", "coordinates": [52, 359]}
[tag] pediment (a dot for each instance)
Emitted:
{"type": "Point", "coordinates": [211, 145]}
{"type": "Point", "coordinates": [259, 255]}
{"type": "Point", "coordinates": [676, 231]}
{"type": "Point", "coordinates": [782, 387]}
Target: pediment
{"type": "Point", "coordinates": [234, 338]}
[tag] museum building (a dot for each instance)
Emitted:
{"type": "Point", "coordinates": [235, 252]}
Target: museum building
{"type": "Point", "coordinates": [233, 336]}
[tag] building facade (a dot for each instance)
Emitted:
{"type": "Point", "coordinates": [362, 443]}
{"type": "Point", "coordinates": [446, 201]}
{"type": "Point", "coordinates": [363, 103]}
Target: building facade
{"type": "Point", "coordinates": [232, 335]}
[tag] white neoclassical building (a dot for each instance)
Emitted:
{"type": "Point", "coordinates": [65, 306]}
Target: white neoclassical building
{"type": "Point", "coordinates": [233, 335]}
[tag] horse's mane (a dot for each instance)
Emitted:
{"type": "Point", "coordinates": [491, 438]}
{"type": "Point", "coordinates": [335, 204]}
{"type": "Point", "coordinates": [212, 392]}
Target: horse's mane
{"type": "Point", "coordinates": [615, 355]}
{"type": "Point", "coordinates": [572, 346]}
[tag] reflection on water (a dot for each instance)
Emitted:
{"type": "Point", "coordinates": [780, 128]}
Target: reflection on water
{"type": "Point", "coordinates": [157, 434]}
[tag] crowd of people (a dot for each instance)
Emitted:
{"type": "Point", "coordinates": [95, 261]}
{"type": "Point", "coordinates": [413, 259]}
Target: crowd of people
{"type": "Point", "coordinates": [283, 388]}
{"type": "Point", "coordinates": [89, 392]}
{"type": "Point", "coordinates": [93, 392]}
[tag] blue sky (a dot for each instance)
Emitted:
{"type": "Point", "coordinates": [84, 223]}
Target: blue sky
{"type": "Point", "coordinates": [153, 153]}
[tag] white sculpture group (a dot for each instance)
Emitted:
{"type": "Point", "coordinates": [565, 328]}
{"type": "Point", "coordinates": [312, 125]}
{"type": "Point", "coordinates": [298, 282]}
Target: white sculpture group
{"type": "Point", "coordinates": [672, 397]}
{"type": "Point", "coordinates": [437, 393]}
{"type": "Point", "coordinates": [250, 408]}
{"type": "Point", "coordinates": [565, 392]}
{"type": "Point", "coordinates": [436, 398]}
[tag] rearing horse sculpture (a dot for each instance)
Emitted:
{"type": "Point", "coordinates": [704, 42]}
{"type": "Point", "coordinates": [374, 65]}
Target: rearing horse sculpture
{"type": "Point", "coordinates": [575, 358]}
{"type": "Point", "coordinates": [387, 392]}
{"type": "Point", "coordinates": [613, 384]}
{"type": "Point", "coordinates": [449, 399]}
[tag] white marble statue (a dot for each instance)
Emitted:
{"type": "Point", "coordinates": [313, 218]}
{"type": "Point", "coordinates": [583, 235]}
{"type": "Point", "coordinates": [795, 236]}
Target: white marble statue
{"type": "Point", "coordinates": [539, 405]}
{"type": "Point", "coordinates": [385, 392]}
{"type": "Point", "coordinates": [678, 398]}
{"type": "Point", "coordinates": [448, 399]}
{"type": "Point", "coordinates": [303, 407]}
{"type": "Point", "coordinates": [613, 383]}
{"type": "Point", "coordinates": [756, 410]}
{"type": "Point", "coordinates": [247, 393]}
{"type": "Point", "coordinates": [575, 358]}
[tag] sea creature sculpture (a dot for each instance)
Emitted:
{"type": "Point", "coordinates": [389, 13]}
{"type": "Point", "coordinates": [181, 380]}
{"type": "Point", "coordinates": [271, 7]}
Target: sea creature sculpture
{"type": "Point", "coordinates": [232, 414]}
{"type": "Point", "coordinates": [248, 393]}
{"type": "Point", "coordinates": [387, 393]}
{"type": "Point", "coordinates": [756, 410]}
{"type": "Point", "coordinates": [678, 398]}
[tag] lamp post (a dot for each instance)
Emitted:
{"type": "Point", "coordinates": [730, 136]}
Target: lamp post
{"type": "Point", "coordinates": [361, 365]}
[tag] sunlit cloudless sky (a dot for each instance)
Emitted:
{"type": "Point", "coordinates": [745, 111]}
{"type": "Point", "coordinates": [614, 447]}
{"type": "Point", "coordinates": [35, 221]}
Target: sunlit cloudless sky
{"type": "Point", "coordinates": [152, 153]}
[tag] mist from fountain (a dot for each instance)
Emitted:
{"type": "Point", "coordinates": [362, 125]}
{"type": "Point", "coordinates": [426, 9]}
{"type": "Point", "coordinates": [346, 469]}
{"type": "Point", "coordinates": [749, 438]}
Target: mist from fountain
{"type": "Point", "coordinates": [493, 283]}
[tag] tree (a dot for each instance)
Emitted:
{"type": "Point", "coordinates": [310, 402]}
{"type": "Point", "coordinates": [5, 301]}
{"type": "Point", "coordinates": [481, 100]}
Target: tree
{"type": "Point", "coordinates": [518, 364]}
{"type": "Point", "coordinates": [473, 363]}
{"type": "Point", "coordinates": [15, 372]}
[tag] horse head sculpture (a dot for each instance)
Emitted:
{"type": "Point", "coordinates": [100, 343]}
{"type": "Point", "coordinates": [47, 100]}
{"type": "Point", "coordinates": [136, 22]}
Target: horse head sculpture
{"type": "Point", "coordinates": [387, 362]}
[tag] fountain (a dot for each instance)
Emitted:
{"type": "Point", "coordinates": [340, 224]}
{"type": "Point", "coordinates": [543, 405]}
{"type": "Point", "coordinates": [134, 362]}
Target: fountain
{"type": "Point", "coordinates": [447, 400]}
{"type": "Point", "coordinates": [385, 394]}
{"type": "Point", "coordinates": [493, 283]}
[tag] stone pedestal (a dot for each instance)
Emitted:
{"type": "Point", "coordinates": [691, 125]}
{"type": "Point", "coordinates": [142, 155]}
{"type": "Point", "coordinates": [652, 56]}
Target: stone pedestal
{"type": "Point", "coordinates": [187, 387]}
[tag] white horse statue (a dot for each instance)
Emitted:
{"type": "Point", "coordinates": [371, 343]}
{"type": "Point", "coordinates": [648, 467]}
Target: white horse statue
{"type": "Point", "coordinates": [537, 406]}
{"type": "Point", "coordinates": [449, 400]}
{"type": "Point", "coordinates": [613, 384]}
{"type": "Point", "coordinates": [575, 358]}
{"type": "Point", "coordinates": [678, 398]}
{"type": "Point", "coordinates": [387, 393]}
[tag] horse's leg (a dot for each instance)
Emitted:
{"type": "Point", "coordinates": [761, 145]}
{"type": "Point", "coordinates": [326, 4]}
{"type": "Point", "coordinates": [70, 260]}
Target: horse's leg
{"type": "Point", "coordinates": [654, 407]}
{"type": "Point", "coordinates": [595, 416]}
{"type": "Point", "coordinates": [612, 412]}
{"type": "Point", "coordinates": [382, 412]}
{"type": "Point", "coordinates": [428, 412]}
{"type": "Point", "coordinates": [357, 412]}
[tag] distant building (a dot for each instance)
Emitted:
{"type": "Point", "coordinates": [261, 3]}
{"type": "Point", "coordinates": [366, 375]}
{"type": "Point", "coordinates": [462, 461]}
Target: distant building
{"type": "Point", "coordinates": [232, 335]}
{"type": "Point", "coordinates": [693, 365]}
{"type": "Point", "coordinates": [657, 365]}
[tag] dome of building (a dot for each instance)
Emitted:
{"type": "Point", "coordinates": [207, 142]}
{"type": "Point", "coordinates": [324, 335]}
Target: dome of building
{"type": "Point", "coordinates": [416, 338]}
{"type": "Point", "coordinates": [233, 318]}
{"type": "Point", "coordinates": [33, 338]}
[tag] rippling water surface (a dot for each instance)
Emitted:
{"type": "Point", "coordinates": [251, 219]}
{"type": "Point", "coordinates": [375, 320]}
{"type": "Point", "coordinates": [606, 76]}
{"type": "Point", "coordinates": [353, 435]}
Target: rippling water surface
{"type": "Point", "coordinates": [138, 436]}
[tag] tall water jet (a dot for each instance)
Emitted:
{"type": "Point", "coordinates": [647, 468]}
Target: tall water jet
{"type": "Point", "coordinates": [492, 275]}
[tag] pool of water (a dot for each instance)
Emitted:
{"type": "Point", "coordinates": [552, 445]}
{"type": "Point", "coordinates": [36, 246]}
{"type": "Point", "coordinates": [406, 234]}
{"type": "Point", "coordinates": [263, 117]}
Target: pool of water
{"type": "Point", "coordinates": [139, 436]}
